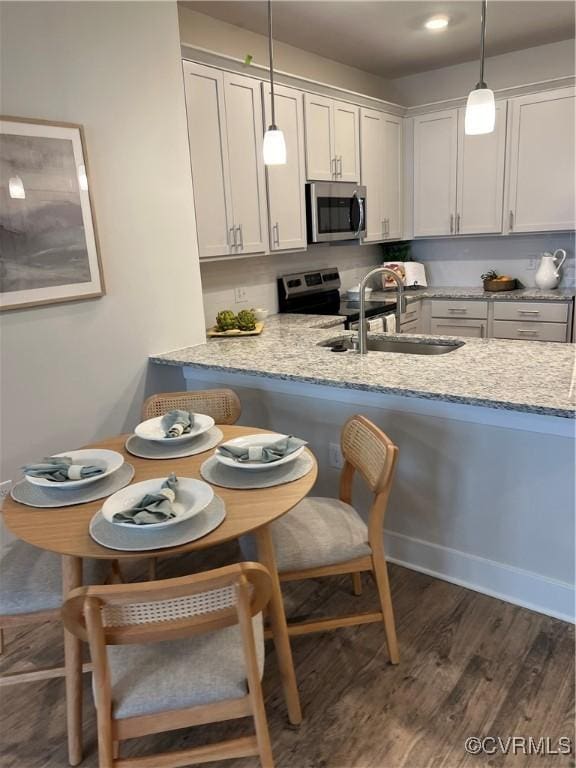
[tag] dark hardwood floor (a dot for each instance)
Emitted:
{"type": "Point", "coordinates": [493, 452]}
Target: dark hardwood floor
{"type": "Point", "coordinates": [471, 666]}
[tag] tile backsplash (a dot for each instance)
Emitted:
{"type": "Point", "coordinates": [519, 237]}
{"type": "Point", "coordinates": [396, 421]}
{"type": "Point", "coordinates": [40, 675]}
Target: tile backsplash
{"type": "Point", "coordinates": [257, 275]}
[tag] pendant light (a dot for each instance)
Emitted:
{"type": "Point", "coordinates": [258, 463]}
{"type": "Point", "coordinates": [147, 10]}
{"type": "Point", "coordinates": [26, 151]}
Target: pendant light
{"type": "Point", "coordinates": [274, 147]}
{"type": "Point", "coordinates": [480, 108]}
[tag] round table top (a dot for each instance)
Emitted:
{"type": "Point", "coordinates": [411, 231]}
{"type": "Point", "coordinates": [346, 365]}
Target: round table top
{"type": "Point", "coordinates": [65, 529]}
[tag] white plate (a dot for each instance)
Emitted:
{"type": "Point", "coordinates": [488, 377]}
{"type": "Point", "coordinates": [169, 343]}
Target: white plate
{"type": "Point", "coordinates": [111, 460]}
{"type": "Point", "coordinates": [151, 429]}
{"type": "Point", "coordinates": [192, 497]}
{"type": "Point", "coordinates": [249, 440]}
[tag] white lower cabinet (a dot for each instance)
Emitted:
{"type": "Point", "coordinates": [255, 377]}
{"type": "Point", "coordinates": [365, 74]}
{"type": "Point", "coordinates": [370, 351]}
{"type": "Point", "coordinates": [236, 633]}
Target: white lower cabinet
{"type": "Point", "coordinates": [286, 183]}
{"type": "Point", "coordinates": [225, 132]}
{"type": "Point", "coordinates": [509, 329]}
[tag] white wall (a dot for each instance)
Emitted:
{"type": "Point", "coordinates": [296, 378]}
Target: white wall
{"type": "Point", "coordinates": [544, 62]}
{"type": "Point", "coordinates": [205, 32]}
{"type": "Point", "coordinates": [460, 261]}
{"type": "Point", "coordinates": [72, 373]}
{"type": "Point", "coordinates": [258, 275]}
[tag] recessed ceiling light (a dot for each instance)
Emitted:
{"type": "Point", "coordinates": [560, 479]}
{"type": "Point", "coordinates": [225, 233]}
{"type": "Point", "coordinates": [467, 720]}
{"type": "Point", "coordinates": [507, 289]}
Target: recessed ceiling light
{"type": "Point", "coordinates": [435, 23]}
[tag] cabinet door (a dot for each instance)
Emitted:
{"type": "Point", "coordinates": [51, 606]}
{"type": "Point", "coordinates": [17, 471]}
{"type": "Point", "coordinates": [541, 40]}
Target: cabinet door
{"type": "Point", "coordinates": [346, 142]}
{"type": "Point", "coordinates": [372, 165]}
{"type": "Point", "coordinates": [435, 152]}
{"type": "Point", "coordinates": [209, 158]}
{"type": "Point", "coordinates": [319, 126]}
{"type": "Point", "coordinates": [244, 139]}
{"type": "Point", "coordinates": [474, 328]}
{"type": "Point", "coordinates": [481, 177]}
{"type": "Point", "coordinates": [286, 183]}
{"type": "Point", "coordinates": [393, 174]}
{"type": "Point", "coordinates": [541, 188]}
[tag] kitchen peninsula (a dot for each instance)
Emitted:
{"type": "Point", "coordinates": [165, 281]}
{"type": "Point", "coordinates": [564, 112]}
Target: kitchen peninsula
{"type": "Point", "coordinates": [486, 436]}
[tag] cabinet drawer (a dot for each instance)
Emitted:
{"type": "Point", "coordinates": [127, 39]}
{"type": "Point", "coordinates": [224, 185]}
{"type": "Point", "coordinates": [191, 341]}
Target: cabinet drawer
{"type": "Point", "coordinates": [456, 309]}
{"type": "Point", "coordinates": [531, 331]}
{"type": "Point", "coordinates": [411, 327]}
{"type": "Point", "coordinates": [474, 328]}
{"type": "Point", "coordinates": [528, 311]}
{"type": "Point", "coordinates": [412, 313]}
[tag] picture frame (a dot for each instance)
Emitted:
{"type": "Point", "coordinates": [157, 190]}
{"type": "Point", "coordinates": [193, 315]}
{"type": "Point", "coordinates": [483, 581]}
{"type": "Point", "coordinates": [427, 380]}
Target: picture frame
{"type": "Point", "coordinates": [49, 251]}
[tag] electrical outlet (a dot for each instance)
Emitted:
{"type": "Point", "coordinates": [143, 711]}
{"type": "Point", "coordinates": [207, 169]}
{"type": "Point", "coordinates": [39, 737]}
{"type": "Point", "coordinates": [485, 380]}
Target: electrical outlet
{"type": "Point", "coordinates": [240, 295]}
{"type": "Point", "coordinates": [335, 458]}
{"type": "Point", "coordinates": [533, 263]}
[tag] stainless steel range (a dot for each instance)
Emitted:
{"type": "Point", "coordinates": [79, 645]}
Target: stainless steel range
{"type": "Point", "coordinates": [318, 293]}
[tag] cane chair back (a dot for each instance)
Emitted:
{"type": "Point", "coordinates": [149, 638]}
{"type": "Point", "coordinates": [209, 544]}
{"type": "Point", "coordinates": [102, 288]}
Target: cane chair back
{"type": "Point", "coordinates": [222, 404]}
{"type": "Point", "coordinates": [369, 451]}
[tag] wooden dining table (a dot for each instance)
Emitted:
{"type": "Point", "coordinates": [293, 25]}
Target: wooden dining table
{"type": "Point", "coordinates": [64, 530]}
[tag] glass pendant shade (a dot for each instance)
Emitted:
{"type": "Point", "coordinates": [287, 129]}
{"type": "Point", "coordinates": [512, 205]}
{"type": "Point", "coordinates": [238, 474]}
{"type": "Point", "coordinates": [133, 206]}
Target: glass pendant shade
{"type": "Point", "coordinates": [480, 112]}
{"type": "Point", "coordinates": [16, 188]}
{"type": "Point", "coordinates": [274, 147]}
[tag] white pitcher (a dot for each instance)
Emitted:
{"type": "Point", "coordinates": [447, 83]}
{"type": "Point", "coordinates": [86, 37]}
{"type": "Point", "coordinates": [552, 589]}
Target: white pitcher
{"type": "Point", "coordinates": [548, 275]}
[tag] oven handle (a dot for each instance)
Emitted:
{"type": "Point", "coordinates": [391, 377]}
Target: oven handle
{"type": "Point", "coordinates": [358, 203]}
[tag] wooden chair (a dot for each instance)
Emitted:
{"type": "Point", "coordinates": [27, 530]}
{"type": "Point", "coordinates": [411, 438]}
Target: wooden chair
{"type": "Point", "coordinates": [327, 537]}
{"type": "Point", "coordinates": [222, 404]}
{"type": "Point", "coordinates": [173, 654]}
{"type": "Point", "coordinates": [31, 593]}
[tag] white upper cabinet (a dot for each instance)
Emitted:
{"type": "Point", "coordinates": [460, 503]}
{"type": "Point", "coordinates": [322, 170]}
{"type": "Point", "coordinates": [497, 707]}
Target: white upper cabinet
{"type": "Point", "coordinates": [286, 183]}
{"type": "Point", "coordinates": [481, 177]}
{"type": "Point", "coordinates": [435, 161]}
{"type": "Point", "coordinates": [346, 142]}
{"type": "Point", "coordinates": [225, 132]}
{"type": "Point", "coordinates": [332, 139]}
{"type": "Point", "coordinates": [541, 162]}
{"type": "Point", "coordinates": [319, 137]}
{"type": "Point", "coordinates": [245, 135]}
{"type": "Point", "coordinates": [209, 158]}
{"type": "Point", "coordinates": [393, 176]}
{"type": "Point", "coordinates": [381, 173]}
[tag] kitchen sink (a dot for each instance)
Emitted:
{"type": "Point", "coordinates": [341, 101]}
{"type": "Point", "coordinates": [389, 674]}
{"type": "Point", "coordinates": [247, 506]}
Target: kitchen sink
{"type": "Point", "coordinates": [399, 346]}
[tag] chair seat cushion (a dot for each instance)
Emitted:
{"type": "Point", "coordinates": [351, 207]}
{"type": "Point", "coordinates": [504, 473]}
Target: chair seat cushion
{"type": "Point", "coordinates": [175, 674]}
{"type": "Point", "coordinates": [317, 532]}
{"type": "Point", "coordinates": [31, 578]}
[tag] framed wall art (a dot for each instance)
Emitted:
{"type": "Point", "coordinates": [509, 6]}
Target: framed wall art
{"type": "Point", "coordinates": [48, 241]}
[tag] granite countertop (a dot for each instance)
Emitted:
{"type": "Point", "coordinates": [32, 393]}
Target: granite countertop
{"type": "Point", "coordinates": [531, 377]}
{"type": "Point", "coordinates": [520, 294]}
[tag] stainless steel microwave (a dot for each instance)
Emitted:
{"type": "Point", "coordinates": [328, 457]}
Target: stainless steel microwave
{"type": "Point", "coordinates": [335, 211]}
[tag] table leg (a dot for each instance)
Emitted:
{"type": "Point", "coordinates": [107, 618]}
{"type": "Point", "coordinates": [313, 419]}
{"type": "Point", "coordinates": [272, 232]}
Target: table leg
{"type": "Point", "coordinates": [72, 578]}
{"type": "Point", "coordinates": [267, 557]}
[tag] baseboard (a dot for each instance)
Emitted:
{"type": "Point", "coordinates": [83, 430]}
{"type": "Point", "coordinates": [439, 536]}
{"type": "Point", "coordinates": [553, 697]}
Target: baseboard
{"type": "Point", "coordinates": [514, 585]}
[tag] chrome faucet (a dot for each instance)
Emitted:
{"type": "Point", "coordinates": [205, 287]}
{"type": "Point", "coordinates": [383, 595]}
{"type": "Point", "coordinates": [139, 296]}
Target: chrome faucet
{"type": "Point", "coordinates": [400, 305]}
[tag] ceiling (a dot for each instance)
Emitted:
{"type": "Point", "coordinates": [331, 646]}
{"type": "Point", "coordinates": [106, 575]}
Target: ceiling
{"type": "Point", "coordinates": [387, 37]}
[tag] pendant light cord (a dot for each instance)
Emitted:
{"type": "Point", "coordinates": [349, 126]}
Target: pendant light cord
{"type": "Point", "coordinates": [482, 84]}
{"type": "Point", "coordinates": [271, 56]}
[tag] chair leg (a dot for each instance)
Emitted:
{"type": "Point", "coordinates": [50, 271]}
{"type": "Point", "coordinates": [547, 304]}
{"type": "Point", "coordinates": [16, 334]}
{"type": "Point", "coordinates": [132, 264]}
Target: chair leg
{"type": "Point", "coordinates": [115, 750]}
{"type": "Point", "coordinates": [1, 641]}
{"type": "Point", "coordinates": [383, 586]}
{"type": "Point", "coordinates": [152, 569]}
{"type": "Point", "coordinates": [116, 576]}
{"type": "Point", "coordinates": [357, 583]}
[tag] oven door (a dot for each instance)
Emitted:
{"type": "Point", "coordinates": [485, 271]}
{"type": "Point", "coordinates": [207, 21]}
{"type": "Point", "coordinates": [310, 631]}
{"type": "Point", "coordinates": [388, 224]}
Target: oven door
{"type": "Point", "coordinates": [335, 211]}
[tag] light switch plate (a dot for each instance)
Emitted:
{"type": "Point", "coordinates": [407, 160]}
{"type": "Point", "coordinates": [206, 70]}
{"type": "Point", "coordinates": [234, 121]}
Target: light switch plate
{"type": "Point", "coordinates": [335, 458]}
{"type": "Point", "coordinates": [240, 294]}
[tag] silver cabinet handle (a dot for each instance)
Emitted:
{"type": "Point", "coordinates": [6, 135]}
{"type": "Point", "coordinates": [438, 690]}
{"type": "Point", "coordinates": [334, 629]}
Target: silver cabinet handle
{"type": "Point", "coordinates": [232, 237]}
{"type": "Point", "coordinates": [383, 227]}
{"type": "Point", "coordinates": [457, 309]}
{"type": "Point", "coordinates": [340, 166]}
{"type": "Point", "coordinates": [527, 333]}
{"type": "Point", "coordinates": [276, 234]}
{"type": "Point", "coordinates": [528, 311]}
{"type": "Point", "coordinates": [334, 162]}
{"type": "Point", "coordinates": [511, 220]}
{"type": "Point", "coordinates": [241, 243]}
{"type": "Point", "coordinates": [457, 223]}
{"type": "Point", "coordinates": [387, 226]}
{"type": "Point", "coordinates": [451, 223]}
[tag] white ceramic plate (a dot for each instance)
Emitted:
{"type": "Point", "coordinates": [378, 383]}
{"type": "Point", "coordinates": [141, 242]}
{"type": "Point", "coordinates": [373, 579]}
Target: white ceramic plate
{"type": "Point", "coordinates": [111, 460]}
{"type": "Point", "coordinates": [192, 496]}
{"type": "Point", "coordinates": [250, 440]}
{"type": "Point", "coordinates": [152, 429]}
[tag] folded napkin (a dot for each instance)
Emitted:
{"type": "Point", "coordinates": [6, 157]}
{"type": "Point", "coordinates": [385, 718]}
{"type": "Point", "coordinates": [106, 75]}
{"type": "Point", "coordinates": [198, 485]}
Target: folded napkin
{"type": "Point", "coordinates": [263, 454]}
{"type": "Point", "coordinates": [152, 508]}
{"type": "Point", "coordinates": [59, 469]}
{"type": "Point", "coordinates": [176, 423]}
